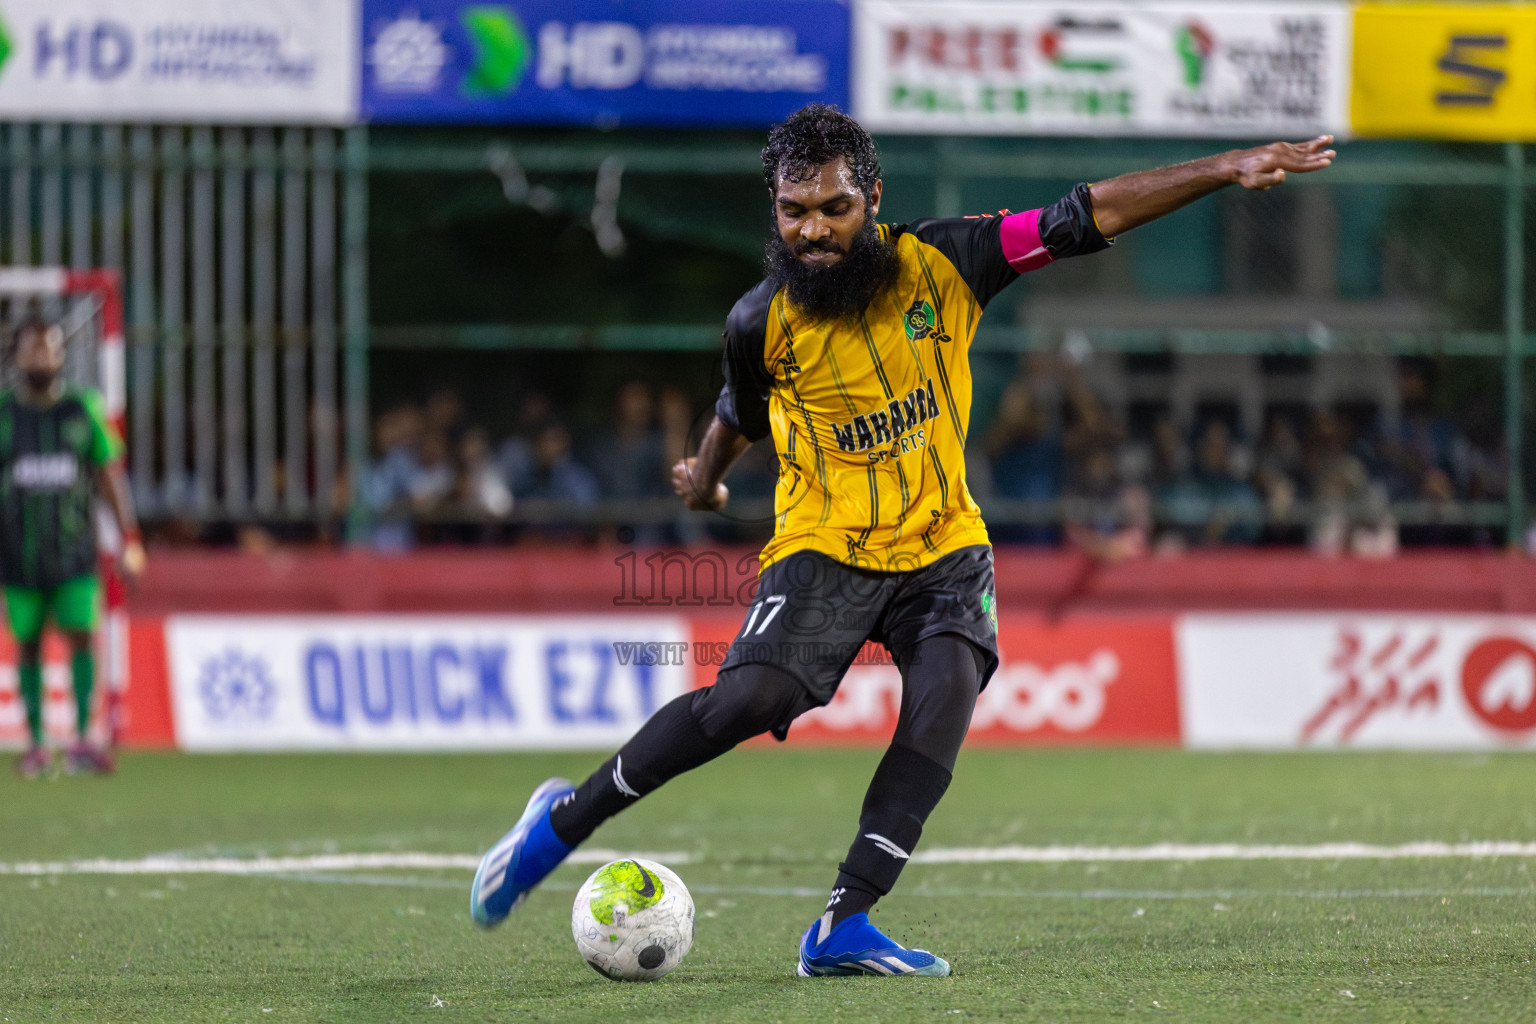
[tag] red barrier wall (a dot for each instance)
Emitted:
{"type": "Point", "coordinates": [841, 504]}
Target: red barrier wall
{"type": "Point", "coordinates": [608, 579]}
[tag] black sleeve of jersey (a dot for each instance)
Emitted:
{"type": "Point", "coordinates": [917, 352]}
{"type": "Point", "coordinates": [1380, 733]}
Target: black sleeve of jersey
{"type": "Point", "coordinates": [974, 244]}
{"type": "Point", "coordinates": [743, 402]}
{"type": "Point", "coordinates": [1067, 226]}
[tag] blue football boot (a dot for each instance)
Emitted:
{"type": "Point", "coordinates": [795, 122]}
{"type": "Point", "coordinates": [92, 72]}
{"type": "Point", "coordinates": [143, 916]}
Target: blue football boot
{"type": "Point", "coordinates": [857, 947]}
{"type": "Point", "coordinates": [521, 860]}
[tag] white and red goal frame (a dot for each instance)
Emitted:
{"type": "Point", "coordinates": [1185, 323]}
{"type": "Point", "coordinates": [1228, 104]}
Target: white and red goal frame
{"type": "Point", "coordinates": [103, 287]}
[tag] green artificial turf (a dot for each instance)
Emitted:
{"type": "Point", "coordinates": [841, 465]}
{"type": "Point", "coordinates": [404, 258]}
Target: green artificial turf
{"type": "Point", "coordinates": [1227, 941]}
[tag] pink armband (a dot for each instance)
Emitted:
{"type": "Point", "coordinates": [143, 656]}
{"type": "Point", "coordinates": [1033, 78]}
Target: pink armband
{"type": "Point", "coordinates": [1022, 247]}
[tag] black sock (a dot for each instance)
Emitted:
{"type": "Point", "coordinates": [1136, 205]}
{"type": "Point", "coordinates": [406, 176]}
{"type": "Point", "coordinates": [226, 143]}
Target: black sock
{"type": "Point", "coordinates": [906, 788]}
{"type": "Point", "coordinates": [692, 730]}
{"type": "Point", "coordinates": [849, 896]}
{"type": "Point", "coordinates": [667, 745]}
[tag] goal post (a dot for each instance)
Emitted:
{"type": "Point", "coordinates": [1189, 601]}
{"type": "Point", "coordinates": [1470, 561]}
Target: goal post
{"type": "Point", "coordinates": [88, 305]}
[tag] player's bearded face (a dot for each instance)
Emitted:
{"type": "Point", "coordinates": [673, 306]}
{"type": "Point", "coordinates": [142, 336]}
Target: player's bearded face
{"type": "Point", "coordinates": [841, 289]}
{"type": "Point", "coordinates": [40, 358]}
{"type": "Point", "coordinates": [40, 380]}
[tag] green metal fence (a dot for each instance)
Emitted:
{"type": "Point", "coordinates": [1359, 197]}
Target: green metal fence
{"type": "Point", "coordinates": [245, 285]}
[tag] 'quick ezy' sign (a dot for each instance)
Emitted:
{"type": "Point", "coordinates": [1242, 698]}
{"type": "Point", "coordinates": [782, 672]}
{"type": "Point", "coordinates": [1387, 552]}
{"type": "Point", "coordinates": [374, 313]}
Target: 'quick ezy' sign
{"type": "Point", "coordinates": [406, 682]}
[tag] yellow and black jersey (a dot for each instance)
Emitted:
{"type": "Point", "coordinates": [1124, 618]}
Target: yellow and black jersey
{"type": "Point", "coordinates": [869, 417]}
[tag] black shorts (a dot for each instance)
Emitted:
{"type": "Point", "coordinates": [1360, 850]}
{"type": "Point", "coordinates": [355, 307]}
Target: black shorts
{"type": "Point", "coordinates": [812, 614]}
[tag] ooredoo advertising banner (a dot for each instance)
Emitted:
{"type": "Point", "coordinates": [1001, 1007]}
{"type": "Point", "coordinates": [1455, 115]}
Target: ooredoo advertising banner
{"type": "Point", "coordinates": [419, 682]}
{"type": "Point", "coordinates": [1111, 681]}
{"type": "Point", "coordinates": [1104, 680]}
{"type": "Point", "coordinates": [262, 61]}
{"type": "Point", "coordinates": [1188, 69]}
{"type": "Point", "coordinates": [1331, 681]}
{"type": "Point", "coordinates": [601, 62]}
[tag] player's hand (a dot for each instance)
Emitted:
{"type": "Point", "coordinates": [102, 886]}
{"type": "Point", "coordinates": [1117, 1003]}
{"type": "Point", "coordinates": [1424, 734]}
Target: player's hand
{"type": "Point", "coordinates": [691, 489]}
{"type": "Point", "coordinates": [132, 560]}
{"type": "Point", "coordinates": [1266, 166]}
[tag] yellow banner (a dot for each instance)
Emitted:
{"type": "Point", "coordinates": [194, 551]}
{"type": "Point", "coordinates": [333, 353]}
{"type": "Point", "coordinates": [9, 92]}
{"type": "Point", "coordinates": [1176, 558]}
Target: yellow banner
{"type": "Point", "coordinates": [1445, 71]}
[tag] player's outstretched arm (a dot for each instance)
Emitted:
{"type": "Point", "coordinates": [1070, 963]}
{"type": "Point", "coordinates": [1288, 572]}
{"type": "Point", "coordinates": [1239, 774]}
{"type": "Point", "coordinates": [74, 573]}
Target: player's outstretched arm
{"type": "Point", "coordinates": [112, 485]}
{"type": "Point", "coordinates": [1131, 200]}
{"type": "Point", "coordinates": [697, 480]}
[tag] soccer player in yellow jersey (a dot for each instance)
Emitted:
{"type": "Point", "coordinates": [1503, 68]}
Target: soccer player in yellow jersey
{"type": "Point", "coordinates": [852, 355]}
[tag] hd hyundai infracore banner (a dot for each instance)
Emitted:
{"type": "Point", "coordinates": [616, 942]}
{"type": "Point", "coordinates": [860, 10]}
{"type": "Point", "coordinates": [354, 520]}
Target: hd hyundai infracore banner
{"type": "Point", "coordinates": [220, 61]}
{"type": "Point", "coordinates": [601, 62]}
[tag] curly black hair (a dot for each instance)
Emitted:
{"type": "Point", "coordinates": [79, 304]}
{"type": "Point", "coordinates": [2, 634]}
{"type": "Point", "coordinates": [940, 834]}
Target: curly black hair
{"type": "Point", "coordinates": [816, 134]}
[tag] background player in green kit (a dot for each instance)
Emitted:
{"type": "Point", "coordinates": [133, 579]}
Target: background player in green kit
{"type": "Point", "coordinates": [57, 452]}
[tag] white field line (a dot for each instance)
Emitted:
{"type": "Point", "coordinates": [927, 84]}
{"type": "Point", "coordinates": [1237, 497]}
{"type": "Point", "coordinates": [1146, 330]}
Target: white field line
{"type": "Point", "coordinates": [330, 862]}
{"type": "Point", "coordinates": [1219, 851]}
{"type": "Point", "coordinates": [163, 865]}
{"type": "Point", "coordinates": [948, 892]}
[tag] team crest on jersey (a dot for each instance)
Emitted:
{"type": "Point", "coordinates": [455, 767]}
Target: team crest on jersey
{"type": "Point", "coordinates": [920, 319]}
{"type": "Point", "coordinates": [920, 322]}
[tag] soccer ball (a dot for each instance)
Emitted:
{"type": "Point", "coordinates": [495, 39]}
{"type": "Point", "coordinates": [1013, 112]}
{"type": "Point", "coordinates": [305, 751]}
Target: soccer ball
{"type": "Point", "coordinates": [633, 920]}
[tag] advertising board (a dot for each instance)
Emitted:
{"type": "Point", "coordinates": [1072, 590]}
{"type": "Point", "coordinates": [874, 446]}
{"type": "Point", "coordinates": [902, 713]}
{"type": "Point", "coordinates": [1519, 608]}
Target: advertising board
{"type": "Point", "coordinates": [601, 62]}
{"type": "Point", "coordinates": [1335, 681]}
{"type": "Point", "coordinates": [1277, 681]}
{"type": "Point", "coordinates": [419, 682]}
{"type": "Point", "coordinates": [1458, 71]}
{"type": "Point", "coordinates": [1103, 680]}
{"type": "Point", "coordinates": [227, 61]}
{"type": "Point", "coordinates": [1094, 68]}
{"type": "Point", "coordinates": [1112, 682]}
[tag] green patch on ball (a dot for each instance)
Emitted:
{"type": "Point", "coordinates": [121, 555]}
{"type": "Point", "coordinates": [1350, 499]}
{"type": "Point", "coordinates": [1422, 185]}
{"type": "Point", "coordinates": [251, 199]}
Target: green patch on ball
{"type": "Point", "coordinates": [624, 884]}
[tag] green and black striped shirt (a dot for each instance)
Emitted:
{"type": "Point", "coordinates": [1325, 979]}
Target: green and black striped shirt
{"type": "Point", "coordinates": [48, 462]}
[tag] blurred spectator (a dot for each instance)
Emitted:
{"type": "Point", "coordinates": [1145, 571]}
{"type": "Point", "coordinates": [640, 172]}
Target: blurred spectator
{"type": "Point", "coordinates": [515, 458]}
{"type": "Point", "coordinates": [679, 416]}
{"type": "Point", "coordinates": [628, 462]}
{"type": "Point", "coordinates": [1212, 505]}
{"type": "Point", "coordinates": [396, 436]}
{"type": "Point", "coordinates": [1418, 455]}
{"type": "Point", "coordinates": [1170, 456]}
{"type": "Point", "coordinates": [557, 476]}
{"type": "Point", "coordinates": [433, 480]}
{"type": "Point", "coordinates": [1090, 429]}
{"type": "Point", "coordinates": [1350, 512]}
{"type": "Point", "coordinates": [431, 488]}
{"type": "Point", "coordinates": [677, 419]}
{"type": "Point", "coordinates": [1277, 476]}
{"type": "Point", "coordinates": [1027, 459]}
{"type": "Point", "coordinates": [481, 492]}
{"type": "Point", "coordinates": [444, 413]}
{"type": "Point", "coordinates": [1105, 517]}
